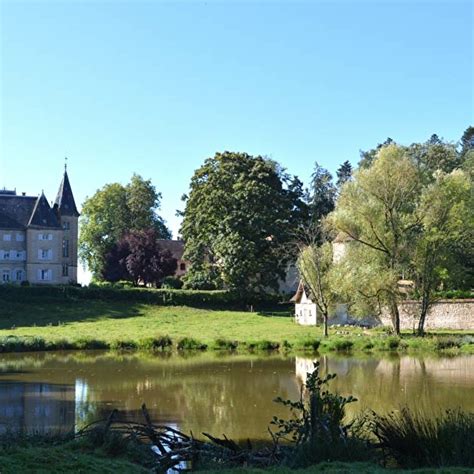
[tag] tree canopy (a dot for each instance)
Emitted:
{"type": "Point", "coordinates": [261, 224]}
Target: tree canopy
{"type": "Point", "coordinates": [322, 194]}
{"type": "Point", "coordinates": [138, 257]}
{"type": "Point", "coordinates": [113, 211]}
{"type": "Point", "coordinates": [239, 218]}
{"type": "Point", "coordinates": [408, 215]}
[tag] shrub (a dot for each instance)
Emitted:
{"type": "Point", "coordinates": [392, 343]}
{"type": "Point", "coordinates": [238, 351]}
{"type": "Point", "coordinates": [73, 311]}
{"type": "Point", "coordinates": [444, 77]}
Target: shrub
{"type": "Point", "coordinates": [286, 345]}
{"type": "Point", "coordinates": [392, 342]}
{"type": "Point", "coordinates": [163, 296]}
{"type": "Point", "coordinates": [124, 345]}
{"type": "Point", "coordinates": [60, 344]}
{"type": "Point", "coordinates": [340, 345]}
{"type": "Point", "coordinates": [264, 345]}
{"type": "Point", "coordinates": [90, 344]}
{"type": "Point", "coordinates": [368, 345]}
{"type": "Point", "coordinates": [225, 344]}
{"type": "Point", "coordinates": [157, 343]}
{"type": "Point", "coordinates": [309, 344]}
{"type": "Point", "coordinates": [447, 342]}
{"type": "Point", "coordinates": [415, 440]}
{"type": "Point", "coordinates": [170, 282]}
{"type": "Point", "coordinates": [188, 343]}
{"type": "Point", "coordinates": [316, 427]}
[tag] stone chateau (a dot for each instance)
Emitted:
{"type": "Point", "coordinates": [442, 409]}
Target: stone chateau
{"type": "Point", "coordinates": [38, 243]}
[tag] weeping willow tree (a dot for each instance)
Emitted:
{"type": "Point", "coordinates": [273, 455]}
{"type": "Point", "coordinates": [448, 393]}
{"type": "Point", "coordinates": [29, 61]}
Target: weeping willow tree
{"type": "Point", "coordinates": [315, 264]}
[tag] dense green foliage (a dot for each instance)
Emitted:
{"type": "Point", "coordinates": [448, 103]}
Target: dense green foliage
{"type": "Point", "coordinates": [111, 212]}
{"type": "Point", "coordinates": [409, 214]}
{"type": "Point", "coordinates": [322, 194]}
{"type": "Point", "coordinates": [240, 215]}
{"type": "Point", "coordinates": [161, 296]}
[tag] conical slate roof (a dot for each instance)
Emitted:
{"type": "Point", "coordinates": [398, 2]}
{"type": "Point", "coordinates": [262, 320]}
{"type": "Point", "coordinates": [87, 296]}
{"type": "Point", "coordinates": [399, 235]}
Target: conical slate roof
{"type": "Point", "coordinates": [43, 215]}
{"type": "Point", "coordinates": [65, 199]}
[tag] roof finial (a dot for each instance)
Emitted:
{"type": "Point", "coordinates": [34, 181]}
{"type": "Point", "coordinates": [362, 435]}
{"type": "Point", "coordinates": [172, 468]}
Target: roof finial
{"type": "Point", "coordinates": [65, 163]}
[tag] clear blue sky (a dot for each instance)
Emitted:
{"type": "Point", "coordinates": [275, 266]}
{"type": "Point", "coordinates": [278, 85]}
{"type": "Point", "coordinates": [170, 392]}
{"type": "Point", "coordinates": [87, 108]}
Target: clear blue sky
{"type": "Point", "coordinates": [155, 88]}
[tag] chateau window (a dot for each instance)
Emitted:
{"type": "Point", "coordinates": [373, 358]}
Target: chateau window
{"type": "Point", "coordinates": [6, 275]}
{"type": "Point", "coordinates": [66, 225]}
{"type": "Point", "coordinates": [45, 254]}
{"type": "Point", "coordinates": [65, 248]}
{"type": "Point", "coordinates": [182, 266]}
{"type": "Point", "coordinates": [7, 237]}
{"type": "Point", "coordinates": [65, 270]}
{"type": "Point", "coordinates": [20, 237]}
{"type": "Point", "coordinates": [45, 236]}
{"type": "Point", "coordinates": [19, 275]}
{"type": "Point", "coordinates": [44, 275]}
{"type": "Point", "coordinates": [6, 255]}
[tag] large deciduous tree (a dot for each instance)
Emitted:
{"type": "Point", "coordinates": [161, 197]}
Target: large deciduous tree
{"type": "Point", "coordinates": [376, 211]}
{"type": "Point", "coordinates": [113, 211]}
{"type": "Point", "coordinates": [240, 215]}
{"type": "Point", "coordinates": [315, 264]}
{"type": "Point", "coordinates": [446, 216]}
{"type": "Point", "coordinates": [138, 257]}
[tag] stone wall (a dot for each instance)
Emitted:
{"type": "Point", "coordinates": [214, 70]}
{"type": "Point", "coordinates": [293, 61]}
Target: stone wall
{"type": "Point", "coordinates": [444, 314]}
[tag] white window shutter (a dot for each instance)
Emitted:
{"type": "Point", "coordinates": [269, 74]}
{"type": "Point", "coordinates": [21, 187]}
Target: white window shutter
{"type": "Point", "coordinates": [1, 254]}
{"type": "Point", "coordinates": [40, 254]}
{"type": "Point", "coordinates": [50, 274]}
{"type": "Point", "coordinates": [50, 236]}
{"type": "Point", "coordinates": [50, 254]}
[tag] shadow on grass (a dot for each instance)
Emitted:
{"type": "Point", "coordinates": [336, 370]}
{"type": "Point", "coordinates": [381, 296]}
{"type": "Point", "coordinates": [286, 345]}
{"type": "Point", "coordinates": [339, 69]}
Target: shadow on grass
{"type": "Point", "coordinates": [41, 313]}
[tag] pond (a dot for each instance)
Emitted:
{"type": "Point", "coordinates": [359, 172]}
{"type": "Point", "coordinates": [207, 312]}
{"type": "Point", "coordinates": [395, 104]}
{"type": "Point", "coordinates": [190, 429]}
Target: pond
{"type": "Point", "coordinates": [213, 393]}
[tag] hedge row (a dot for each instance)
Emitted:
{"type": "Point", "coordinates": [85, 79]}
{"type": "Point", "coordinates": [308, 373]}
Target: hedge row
{"type": "Point", "coordinates": [163, 297]}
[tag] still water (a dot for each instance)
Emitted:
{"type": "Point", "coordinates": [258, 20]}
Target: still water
{"type": "Point", "coordinates": [212, 393]}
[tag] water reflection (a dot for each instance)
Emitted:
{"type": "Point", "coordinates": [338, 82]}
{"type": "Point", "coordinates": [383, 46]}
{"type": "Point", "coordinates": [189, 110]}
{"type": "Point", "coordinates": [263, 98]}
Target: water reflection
{"type": "Point", "coordinates": [233, 394]}
{"type": "Point", "coordinates": [430, 384]}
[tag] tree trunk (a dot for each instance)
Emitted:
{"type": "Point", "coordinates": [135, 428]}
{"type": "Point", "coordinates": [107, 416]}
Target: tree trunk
{"type": "Point", "coordinates": [395, 317]}
{"type": "Point", "coordinates": [424, 311]}
{"type": "Point", "coordinates": [325, 325]}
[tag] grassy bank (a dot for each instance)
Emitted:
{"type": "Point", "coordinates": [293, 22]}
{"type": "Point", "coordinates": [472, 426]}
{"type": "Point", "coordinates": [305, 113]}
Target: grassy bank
{"type": "Point", "coordinates": [94, 324]}
{"type": "Point", "coordinates": [64, 458]}
{"type": "Point", "coordinates": [68, 458]}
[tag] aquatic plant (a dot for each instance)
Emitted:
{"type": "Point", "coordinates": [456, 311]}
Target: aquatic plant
{"type": "Point", "coordinates": [413, 439]}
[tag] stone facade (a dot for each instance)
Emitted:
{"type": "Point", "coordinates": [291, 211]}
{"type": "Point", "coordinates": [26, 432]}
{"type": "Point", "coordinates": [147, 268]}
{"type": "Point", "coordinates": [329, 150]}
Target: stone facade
{"type": "Point", "coordinates": [444, 314]}
{"type": "Point", "coordinates": [38, 243]}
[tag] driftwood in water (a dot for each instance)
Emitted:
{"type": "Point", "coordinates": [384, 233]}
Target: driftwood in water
{"type": "Point", "coordinates": [181, 452]}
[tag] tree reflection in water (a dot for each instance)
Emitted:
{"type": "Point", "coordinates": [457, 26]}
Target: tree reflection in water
{"type": "Point", "coordinates": [231, 394]}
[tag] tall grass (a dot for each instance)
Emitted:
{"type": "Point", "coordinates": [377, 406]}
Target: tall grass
{"type": "Point", "coordinates": [414, 440]}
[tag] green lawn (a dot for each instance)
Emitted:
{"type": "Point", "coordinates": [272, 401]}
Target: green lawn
{"type": "Point", "coordinates": [59, 459]}
{"type": "Point", "coordinates": [60, 323]}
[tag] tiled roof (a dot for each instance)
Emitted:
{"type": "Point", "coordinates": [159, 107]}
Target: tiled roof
{"type": "Point", "coordinates": [16, 210]}
{"type": "Point", "coordinates": [65, 199]}
{"type": "Point", "coordinates": [43, 215]}
{"type": "Point", "coordinates": [176, 247]}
